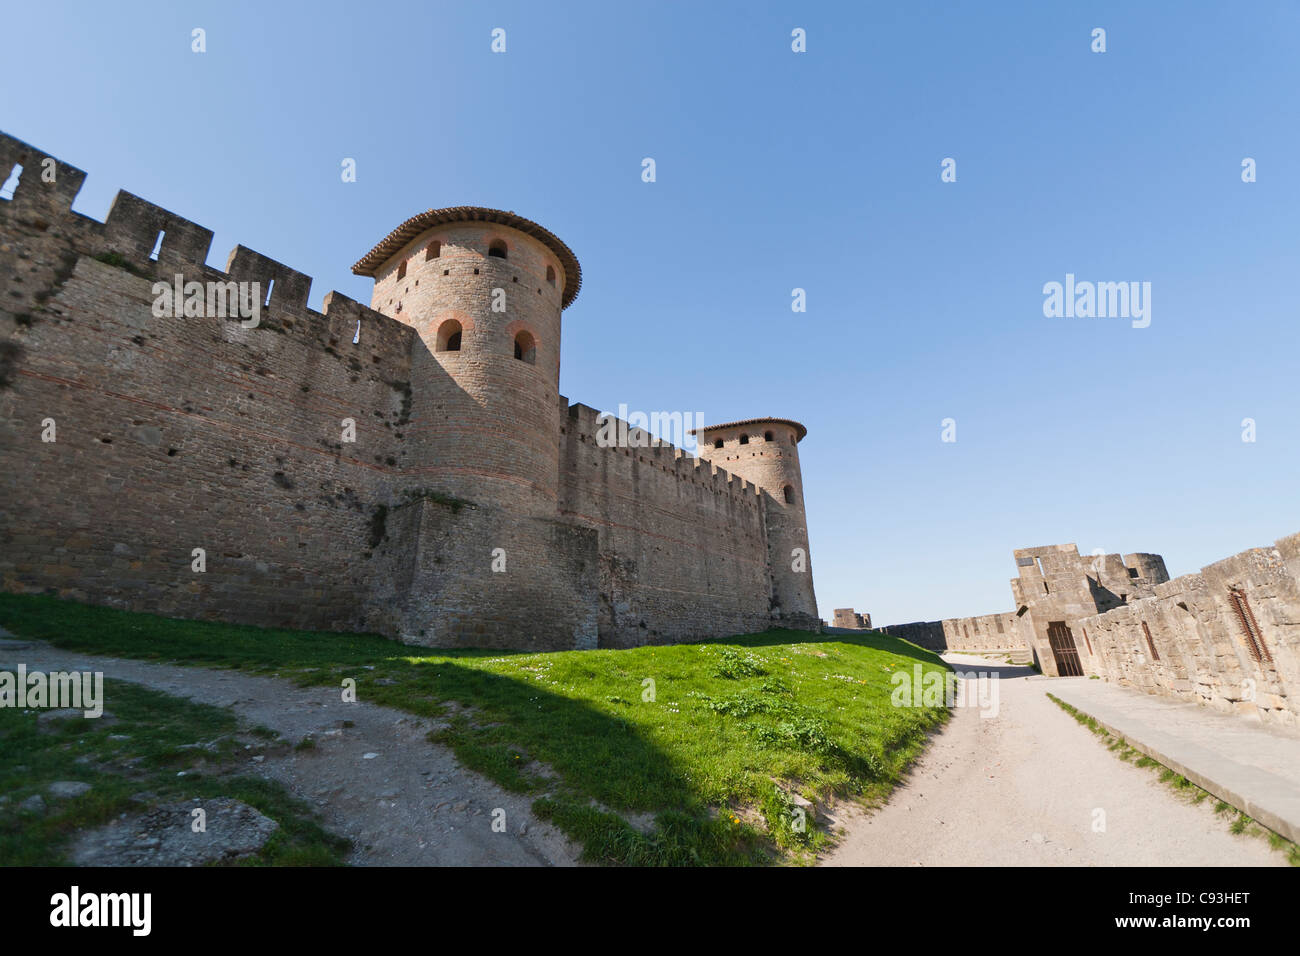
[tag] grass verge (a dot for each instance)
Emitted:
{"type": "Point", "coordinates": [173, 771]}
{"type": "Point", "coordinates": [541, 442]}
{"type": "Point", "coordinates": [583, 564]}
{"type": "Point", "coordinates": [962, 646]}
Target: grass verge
{"type": "Point", "coordinates": [153, 749]}
{"type": "Point", "coordinates": [1241, 823]}
{"type": "Point", "coordinates": [705, 753]}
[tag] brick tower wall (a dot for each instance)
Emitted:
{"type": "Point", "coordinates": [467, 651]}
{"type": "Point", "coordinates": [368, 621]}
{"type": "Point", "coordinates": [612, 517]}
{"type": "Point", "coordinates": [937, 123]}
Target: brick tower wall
{"type": "Point", "coordinates": [484, 422]}
{"type": "Point", "coordinates": [773, 466]}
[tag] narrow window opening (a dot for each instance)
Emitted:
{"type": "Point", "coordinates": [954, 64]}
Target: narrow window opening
{"type": "Point", "coordinates": [767, 436]}
{"type": "Point", "coordinates": [497, 249]}
{"type": "Point", "coordinates": [744, 439]}
{"type": "Point", "coordinates": [433, 250]}
{"type": "Point", "coordinates": [401, 270]}
{"type": "Point", "coordinates": [550, 274]}
{"type": "Point", "coordinates": [1151, 645]}
{"type": "Point", "coordinates": [1259, 651]}
{"type": "Point", "coordinates": [449, 336]}
{"type": "Point", "coordinates": [789, 494]}
{"type": "Point", "coordinates": [1132, 572]}
{"type": "Point", "coordinates": [526, 348]}
{"type": "Point", "coordinates": [717, 443]}
{"type": "Point", "coordinates": [157, 246]}
{"type": "Point", "coordinates": [11, 184]}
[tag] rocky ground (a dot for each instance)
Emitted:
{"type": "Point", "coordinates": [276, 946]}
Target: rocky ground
{"type": "Point", "coordinates": [371, 771]}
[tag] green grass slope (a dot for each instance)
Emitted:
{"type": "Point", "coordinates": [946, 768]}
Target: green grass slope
{"type": "Point", "coordinates": [670, 755]}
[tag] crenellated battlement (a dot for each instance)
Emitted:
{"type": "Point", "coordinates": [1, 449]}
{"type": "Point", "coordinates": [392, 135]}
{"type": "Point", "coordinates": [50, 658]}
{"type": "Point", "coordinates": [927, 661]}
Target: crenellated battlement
{"type": "Point", "coordinates": [585, 423]}
{"type": "Point", "coordinates": [60, 181]}
{"type": "Point", "coordinates": [134, 227]}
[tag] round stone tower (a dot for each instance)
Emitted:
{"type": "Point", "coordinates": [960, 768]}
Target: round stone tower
{"type": "Point", "coordinates": [765, 452]}
{"type": "Point", "coordinates": [484, 289]}
{"type": "Point", "coordinates": [1150, 568]}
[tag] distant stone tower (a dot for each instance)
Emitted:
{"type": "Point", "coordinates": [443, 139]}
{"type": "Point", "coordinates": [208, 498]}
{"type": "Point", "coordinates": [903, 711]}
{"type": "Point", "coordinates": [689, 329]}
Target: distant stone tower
{"type": "Point", "coordinates": [484, 289]}
{"type": "Point", "coordinates": [765, 452]}
{"type": "Point", "coordinates": [1150, 568]}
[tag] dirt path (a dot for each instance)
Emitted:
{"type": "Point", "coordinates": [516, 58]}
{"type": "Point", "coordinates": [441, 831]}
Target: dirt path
{"type": "Point", "coordinates": [403, 800]}
{"type": "Point", "coordinates": [1021, 789]}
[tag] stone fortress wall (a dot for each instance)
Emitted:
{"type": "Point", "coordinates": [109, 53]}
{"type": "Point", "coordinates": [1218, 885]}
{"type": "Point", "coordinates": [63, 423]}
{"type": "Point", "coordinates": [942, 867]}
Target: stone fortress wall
{"type": "Point", "coordinates": [986, 633]}
{"type": "Point", "coordinates": [1227, 636]}
{"type": "Point", "coordinates": [475, 507]}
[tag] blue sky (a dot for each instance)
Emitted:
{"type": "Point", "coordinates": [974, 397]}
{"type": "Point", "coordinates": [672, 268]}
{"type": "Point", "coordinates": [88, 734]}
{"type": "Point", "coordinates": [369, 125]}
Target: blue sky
{"type": "Point", "coordinates": [778, 170]}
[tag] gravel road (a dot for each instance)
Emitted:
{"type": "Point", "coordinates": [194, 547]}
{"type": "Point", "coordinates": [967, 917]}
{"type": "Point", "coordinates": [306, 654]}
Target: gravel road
{"type": "Point", "coordinates": [1023, 789]}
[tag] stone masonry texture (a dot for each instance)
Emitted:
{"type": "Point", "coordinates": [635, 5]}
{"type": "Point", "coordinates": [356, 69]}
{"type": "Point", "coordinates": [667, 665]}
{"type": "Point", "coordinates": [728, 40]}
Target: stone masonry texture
{"type": "Point", "coordinates": [476, 506]}
{"type": "Point", "coordinates": [985, 633]}
{"type": "Point", "coordinates": [1227, 636]}
{"type": "Point", "coordinates": [847, 617]}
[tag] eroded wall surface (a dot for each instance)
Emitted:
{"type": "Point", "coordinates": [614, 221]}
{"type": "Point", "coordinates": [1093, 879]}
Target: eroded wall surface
{"type": "Point", "coordinates": [1227, 637]}
{"type": "Point", "coordinates": [1056, 585]}
{"type": "Point", "coordinates": [983, 633]}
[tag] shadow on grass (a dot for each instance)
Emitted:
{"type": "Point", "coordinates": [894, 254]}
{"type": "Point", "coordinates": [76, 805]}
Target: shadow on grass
{"type": "Point", "coordinates": [589, 769]}
{"type": "Point", "coordinates": [131, 761]}
{"type": "Point", "coordinates": [592, 765]}
{"type": "Point", "coordinates": [106, 630]}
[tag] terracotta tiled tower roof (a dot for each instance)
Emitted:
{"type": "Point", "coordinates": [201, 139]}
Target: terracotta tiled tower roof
{"type": "Point", "coordinates": [395, 240]}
